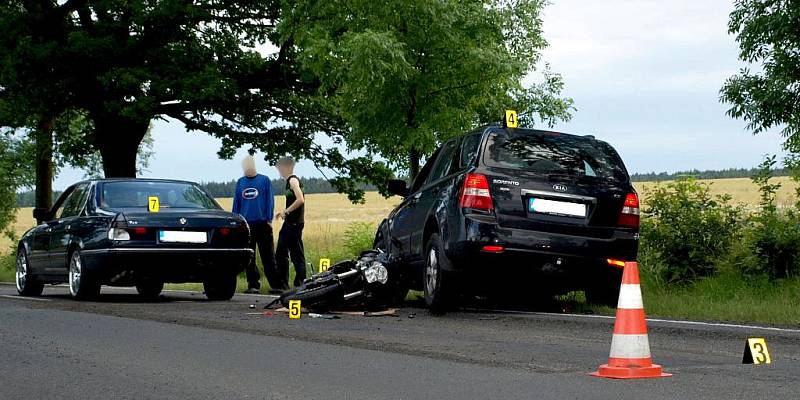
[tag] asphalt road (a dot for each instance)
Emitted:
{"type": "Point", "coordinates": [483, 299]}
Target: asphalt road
{"type": "Point", "coordinates": [184, 347]}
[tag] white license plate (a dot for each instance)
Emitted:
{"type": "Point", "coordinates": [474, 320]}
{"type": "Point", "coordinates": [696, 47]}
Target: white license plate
{"type": "Point", "coordinates": [182, 237]}
{"type": "Point", "coordinates": [557, 207]}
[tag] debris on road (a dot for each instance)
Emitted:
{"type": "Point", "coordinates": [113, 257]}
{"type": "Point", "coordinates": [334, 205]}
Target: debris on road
{"type": "Point", "coordinates": [389, 312]}
{"type": "Point", "coordinates": [323, 316]}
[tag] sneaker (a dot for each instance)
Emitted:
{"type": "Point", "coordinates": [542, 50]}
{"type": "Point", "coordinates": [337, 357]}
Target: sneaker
{"type": "Point", "coordinates": [252, 291]}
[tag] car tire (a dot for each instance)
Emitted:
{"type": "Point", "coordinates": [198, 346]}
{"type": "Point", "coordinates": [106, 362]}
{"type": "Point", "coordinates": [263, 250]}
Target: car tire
{"type": "Point", "coordinates": [220, 287]}
{"type": "Point", "coordinates": [82, 286]}
{"type": "Point", "coordinates": [604, 291]}
{"type": "Point", "coordinates": [400, 286]}
{"type": "Point", "coordinates": [27, 285]}
{"type": "Point", "coordinates": [149, 289]}
{"type": "Point", "coordinates": [439, 284]}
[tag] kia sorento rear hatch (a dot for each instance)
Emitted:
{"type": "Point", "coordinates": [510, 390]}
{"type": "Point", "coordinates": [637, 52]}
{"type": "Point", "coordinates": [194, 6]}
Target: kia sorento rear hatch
{"type": "Point", "coordinates": [560, 183]}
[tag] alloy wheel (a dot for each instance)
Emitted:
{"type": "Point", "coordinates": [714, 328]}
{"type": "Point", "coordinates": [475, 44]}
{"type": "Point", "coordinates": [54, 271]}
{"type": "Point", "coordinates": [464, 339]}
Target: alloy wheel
{"type": "Point", "coordinates": [432, 270]}
{"type": "Point", "coordinates": [22, 271]}
{"type": "Point", "coordinates": [75, 271]}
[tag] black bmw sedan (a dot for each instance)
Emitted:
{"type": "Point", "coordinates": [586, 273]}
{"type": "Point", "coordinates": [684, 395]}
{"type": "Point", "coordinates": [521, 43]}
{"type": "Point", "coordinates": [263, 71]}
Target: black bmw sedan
{"type": "Point", "coordinates": [133, 232]}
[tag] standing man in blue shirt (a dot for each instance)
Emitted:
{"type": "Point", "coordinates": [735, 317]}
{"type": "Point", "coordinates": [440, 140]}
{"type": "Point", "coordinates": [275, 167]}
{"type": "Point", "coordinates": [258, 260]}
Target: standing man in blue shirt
{"type": "Point", "coordinates": [255, 201]}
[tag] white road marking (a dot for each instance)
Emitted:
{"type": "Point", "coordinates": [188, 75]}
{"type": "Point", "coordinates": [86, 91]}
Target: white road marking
{"type": "Point", "coordinates": [669, 321]}
{"type": "Point", "coordinates": [607, 317]}
{"type": "Point", "coordinates": [16, 297]}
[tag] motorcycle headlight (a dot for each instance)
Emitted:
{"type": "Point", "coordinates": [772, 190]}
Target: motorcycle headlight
{"type": "Point", "coordinates": [376, 273]}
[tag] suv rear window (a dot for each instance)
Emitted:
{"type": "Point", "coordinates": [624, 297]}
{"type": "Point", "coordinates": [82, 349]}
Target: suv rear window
{"type": "Point", "coordinates": [550, 153]}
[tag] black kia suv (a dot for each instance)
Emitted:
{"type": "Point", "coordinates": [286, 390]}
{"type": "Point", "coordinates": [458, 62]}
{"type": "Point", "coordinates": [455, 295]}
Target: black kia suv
{"type": "Point", "coordinates": [529, 211]}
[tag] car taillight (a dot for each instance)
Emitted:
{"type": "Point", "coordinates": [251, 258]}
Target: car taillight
{"type": "Point", "coordinates": [475, 193]}
{"type": "Point", "coordinates": [493, 249]}
{"type": "Point", "coordinates": [224, 231]}
{"type": "Point", "coordinates": [118, 234]}
{"type": "Point", "coordinates": [629, 216]}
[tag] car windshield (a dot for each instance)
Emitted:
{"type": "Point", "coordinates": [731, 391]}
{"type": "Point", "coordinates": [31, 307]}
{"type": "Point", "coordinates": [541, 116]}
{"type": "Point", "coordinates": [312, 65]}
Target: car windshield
{"type": "Point", "coordinates": [135, 194]}
{"type": "Point", "coordinates": [555, 154]}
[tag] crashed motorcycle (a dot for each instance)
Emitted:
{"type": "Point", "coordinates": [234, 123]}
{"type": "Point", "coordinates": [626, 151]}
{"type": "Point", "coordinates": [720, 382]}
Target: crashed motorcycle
{"type": "Point", "coordinates": [369, 282]}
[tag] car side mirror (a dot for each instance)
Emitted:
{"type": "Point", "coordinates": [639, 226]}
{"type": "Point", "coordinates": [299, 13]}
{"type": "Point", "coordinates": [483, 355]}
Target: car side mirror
{"type": "Point", "coordinates": [398, 187]}
{"type": "Point", "coordinates": [40, 214]}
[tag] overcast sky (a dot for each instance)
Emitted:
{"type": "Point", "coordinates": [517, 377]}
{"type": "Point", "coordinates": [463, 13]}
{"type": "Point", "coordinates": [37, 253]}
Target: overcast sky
{"type": "Point", "coordinates": [645, 76]}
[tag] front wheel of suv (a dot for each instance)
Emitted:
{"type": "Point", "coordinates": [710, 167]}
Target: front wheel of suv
{"type": "Point", "coordinates": [400, 285]}
{"type": "Point", "coordinates": [439, 283]}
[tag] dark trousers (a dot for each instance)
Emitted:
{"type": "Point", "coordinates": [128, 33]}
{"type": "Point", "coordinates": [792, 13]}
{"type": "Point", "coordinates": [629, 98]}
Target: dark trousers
{"type": "Point", "coordinates": [261, 235]}
{"type": "Point", "coordinates": [290, 243]}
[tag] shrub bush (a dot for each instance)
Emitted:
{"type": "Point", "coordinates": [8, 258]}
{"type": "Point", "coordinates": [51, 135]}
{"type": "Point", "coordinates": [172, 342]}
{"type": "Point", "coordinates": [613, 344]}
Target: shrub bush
{"type": "Point", "coordinates": [359, 236]}
{"type": "Point", "coordinates": [772, 234]}
{"type": "Point", "coordinates": [685, 230]}
{"type": "Point", "coordinates": [8, 267]}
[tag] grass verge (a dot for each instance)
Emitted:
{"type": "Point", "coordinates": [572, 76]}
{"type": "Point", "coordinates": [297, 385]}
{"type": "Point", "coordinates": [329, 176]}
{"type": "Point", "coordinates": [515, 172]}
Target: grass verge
{"type": "Point", "coordinates": [722, 298]}
{"type": "Point", "coordinates": [727, 298]}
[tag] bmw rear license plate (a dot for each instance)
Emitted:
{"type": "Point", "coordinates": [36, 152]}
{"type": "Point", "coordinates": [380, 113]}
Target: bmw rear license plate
{"type": "Point", "coordinates": [546, 206]}
{"type": "Point", "coordinates": [182, 237]}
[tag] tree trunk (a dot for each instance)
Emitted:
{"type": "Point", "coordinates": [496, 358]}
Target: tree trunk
{"type": "Point", "coordinates": [118, 139]}
{"type": "Point", "coordinates": [413, 163]}
{"type": "Point", "coordinates": [44, 164]}
{"type": "Point", "coordinates": [411, 124]}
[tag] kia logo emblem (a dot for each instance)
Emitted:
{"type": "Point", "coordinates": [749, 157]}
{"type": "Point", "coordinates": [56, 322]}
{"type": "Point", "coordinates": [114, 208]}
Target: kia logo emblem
{"type": "Point", "coordinates": [559, 188]}
{"type": "Point", "coordinates": [182, 221]}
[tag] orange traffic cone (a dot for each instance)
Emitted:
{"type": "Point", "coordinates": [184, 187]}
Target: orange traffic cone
{"type": "Point", "coordinates": [630, 348]}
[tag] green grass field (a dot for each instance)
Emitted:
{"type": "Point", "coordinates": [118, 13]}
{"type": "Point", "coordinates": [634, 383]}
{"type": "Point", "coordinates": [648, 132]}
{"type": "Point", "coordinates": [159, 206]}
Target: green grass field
{"type": "Point", "coordinates": [718, 298]}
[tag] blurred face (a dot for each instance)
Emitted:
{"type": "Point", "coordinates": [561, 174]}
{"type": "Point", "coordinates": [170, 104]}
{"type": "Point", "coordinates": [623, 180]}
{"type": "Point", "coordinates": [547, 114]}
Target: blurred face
{"type": "Point", "coordinates": [249, 167]}
{"type": "Point", "coordinates": [284, 170]}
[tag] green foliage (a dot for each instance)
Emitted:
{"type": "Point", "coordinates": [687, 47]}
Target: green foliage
{"type": "Point", "coordinates": [775, 241]}
{"type": "Point", "coordinates": [767, 33]}
{"type": "Point", "coordinates": [408, 74]}
{"type": "Point", "coordinates": [359, 236]}
{"type": "Point", "coordinates": [122, 64]}
{"type": "Point", "coordinates": [773, 234]}
{"type": "Point", "coordinates": [8, 266]}
{"type": "Point", "coordinates": [686, 230]}
{"type": "Point", "coordinates": [15, 172]}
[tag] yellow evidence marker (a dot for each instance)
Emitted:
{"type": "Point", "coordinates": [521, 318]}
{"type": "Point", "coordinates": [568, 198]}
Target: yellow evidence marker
{"type": "Point", "coordinates": [324, 264]}
{"type": "Point", "coordinates": [153, 204]}
{"type": "Point", "coordinates": [511, 119]}
{"type": "Point", "coordinates": [294, 309]}
{"type": "Point", "coordinates": [756, 352]}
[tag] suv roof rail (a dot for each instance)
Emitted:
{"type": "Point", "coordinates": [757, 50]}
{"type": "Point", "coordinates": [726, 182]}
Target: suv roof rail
{"type": "Point", "coordinates": [589, 136]}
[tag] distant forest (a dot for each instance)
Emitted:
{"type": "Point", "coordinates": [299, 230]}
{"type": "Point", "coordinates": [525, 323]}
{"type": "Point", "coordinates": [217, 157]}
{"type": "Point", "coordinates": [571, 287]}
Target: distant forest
{"type": "Point", "coordinates": [708, 174]}
{"type": "Point", "coordinates": [320, 185]}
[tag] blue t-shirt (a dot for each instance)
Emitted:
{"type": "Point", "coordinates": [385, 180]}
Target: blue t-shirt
{"type": "Point", "coordinates": [254, 199]}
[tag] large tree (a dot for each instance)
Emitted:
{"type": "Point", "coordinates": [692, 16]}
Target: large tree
{"type": "Point", "coordinates": [15, 173]}
{"type": "Point", "coordinates": [407, 74]}
{"type": "Point", "coordinates": [768, 33]}
{"type": "Point", "coordinates": [123, 63]}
